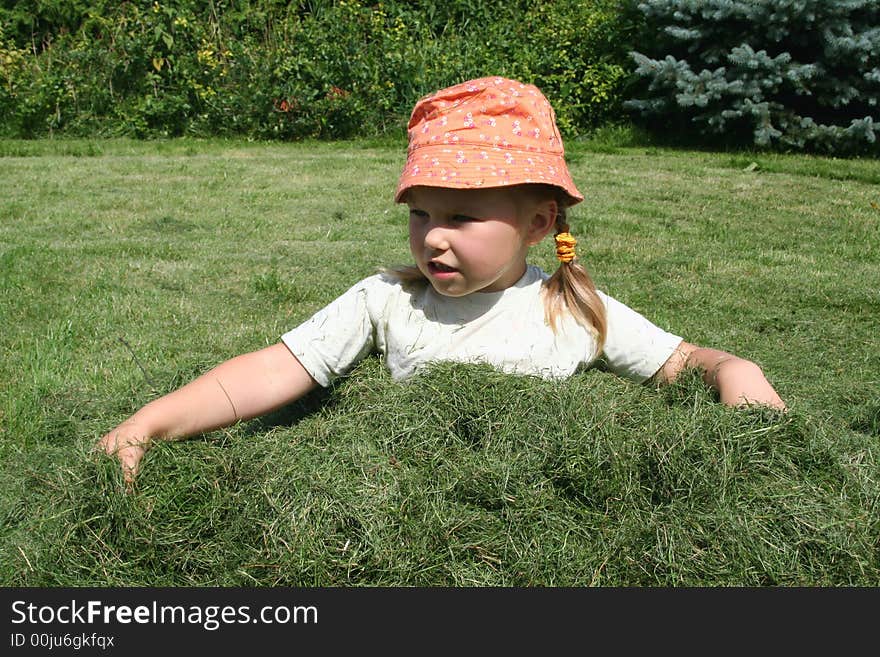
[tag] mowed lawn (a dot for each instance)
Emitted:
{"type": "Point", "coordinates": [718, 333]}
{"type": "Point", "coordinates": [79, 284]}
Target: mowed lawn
{"type": "Point", "coordinates": [127, 268]}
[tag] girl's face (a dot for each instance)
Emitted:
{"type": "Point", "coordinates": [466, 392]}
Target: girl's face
{"type": "Point", "coordinates": [474, 240]}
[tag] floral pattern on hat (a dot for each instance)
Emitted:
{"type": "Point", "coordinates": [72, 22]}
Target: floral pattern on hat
{"type": "Point", "coordinates": [488, 132]}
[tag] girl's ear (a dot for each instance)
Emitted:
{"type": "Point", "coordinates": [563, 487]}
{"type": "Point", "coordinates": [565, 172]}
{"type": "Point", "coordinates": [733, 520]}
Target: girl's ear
{"type": "Point", "coordinates": [541, 220]}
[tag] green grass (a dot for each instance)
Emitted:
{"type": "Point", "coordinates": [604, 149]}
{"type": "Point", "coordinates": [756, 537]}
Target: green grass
{"type": "Point", "coordinates": [128, 268]}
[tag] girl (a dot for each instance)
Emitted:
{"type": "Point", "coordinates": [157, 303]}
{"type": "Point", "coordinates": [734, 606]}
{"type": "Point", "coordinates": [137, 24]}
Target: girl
{"type": "Point", "coordinates": [485, 179]}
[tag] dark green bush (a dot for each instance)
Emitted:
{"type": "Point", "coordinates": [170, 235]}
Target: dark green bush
{"type": "Point", "coordinates": [289, 70]}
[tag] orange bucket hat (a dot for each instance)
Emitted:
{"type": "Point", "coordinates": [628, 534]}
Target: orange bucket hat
{"type": "Point", "coordinates": [489, 132]}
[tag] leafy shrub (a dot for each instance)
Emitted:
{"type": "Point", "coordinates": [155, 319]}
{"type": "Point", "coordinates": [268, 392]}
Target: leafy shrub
{"type": "Point", "coordinates": [577, 53]}
{"type": "Point", "coordinates": [324, 69]}
{"type": "Point", "coordinates": [798, 74]}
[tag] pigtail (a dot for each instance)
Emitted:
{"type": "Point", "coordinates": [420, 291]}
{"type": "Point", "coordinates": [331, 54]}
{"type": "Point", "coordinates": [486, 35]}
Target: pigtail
{"type": "Point", "coordinates": [570, 288]}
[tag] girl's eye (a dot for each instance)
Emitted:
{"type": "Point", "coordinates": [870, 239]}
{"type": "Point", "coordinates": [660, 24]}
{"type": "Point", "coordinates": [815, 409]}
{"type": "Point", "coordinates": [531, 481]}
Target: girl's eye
{"type": "Point", "coordinates": [415, 213]}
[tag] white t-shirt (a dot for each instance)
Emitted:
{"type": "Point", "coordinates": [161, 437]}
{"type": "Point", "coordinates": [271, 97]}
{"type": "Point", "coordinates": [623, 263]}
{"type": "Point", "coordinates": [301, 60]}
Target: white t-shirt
{"type": "Point", "coordinates": [414, 325]}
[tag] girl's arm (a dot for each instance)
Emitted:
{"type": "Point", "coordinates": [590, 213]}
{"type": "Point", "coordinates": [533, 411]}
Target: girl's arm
{"type": "Point", "coordinates": [739, 382]}
{"type": "Point", "coordinates": [242, 388]}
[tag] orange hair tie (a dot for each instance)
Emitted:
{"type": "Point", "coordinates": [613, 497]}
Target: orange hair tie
{"type": "Point", "coordinates": [565, 243]}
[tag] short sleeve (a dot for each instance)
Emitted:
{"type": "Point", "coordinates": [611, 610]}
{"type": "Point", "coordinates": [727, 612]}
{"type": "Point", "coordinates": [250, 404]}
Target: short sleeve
{"type": "Point", "coordinates": [634, 347]}
{"type": "Point", "coordinates": [336, 337]}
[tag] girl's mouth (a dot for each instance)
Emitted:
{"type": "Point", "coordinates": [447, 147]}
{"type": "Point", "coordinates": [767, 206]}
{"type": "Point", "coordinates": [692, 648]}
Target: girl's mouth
{"type": "Point", "coordinates": [438, 268]}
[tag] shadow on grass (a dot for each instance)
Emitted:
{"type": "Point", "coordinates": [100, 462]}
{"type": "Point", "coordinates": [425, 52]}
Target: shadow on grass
{"type": "Point", "coordinates": [319, 400]}
{"type": "Point", "coordinates": [615, 139]}
{"type": "Point", "coordinates": [866, 419]}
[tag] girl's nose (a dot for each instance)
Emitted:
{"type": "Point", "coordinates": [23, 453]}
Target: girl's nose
{"type": "Point", "coordinates": [436, 237]}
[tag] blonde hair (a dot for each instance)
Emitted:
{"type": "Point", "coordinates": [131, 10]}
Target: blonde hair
{"type": "Point", "coordinates": [569, 290]}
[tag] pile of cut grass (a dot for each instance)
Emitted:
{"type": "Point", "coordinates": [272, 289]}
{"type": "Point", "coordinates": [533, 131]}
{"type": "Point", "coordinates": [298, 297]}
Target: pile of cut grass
{"type": "Point", "coordinates": [465, 477]}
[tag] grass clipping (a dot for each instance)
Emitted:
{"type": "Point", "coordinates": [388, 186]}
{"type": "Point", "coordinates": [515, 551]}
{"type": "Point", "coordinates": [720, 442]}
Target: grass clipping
{"type": "Point", "coordinates": [465, 477]}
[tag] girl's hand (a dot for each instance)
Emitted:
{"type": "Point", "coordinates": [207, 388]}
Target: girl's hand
{"type": "Point", "coordinates": [243, 387]}
{"type": "Point", "coordinates": [128, 442]}
{"type": "Point", "coordinates": [742, 383]}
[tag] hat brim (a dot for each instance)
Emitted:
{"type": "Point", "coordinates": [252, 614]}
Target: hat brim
{"type": "Point", "coordinates": [470, 167]}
